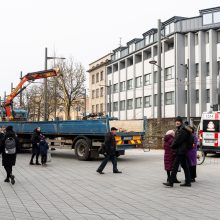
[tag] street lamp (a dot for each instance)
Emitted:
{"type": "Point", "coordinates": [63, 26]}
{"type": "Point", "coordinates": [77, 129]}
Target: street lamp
{"type": "Point", "coordinates": [45, 83]}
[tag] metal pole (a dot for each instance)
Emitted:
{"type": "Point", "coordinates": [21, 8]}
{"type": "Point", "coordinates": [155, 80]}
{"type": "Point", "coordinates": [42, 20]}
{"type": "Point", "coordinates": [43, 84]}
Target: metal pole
{"type": "Point", "coordinates": [159, 72]}
{"type": "Point", "coordinates": [45, 88]}
{"type": "Point", "coordinates": [188, 92]}
{"type": "Point", "coordinates": [21, 92]}
{"type": "Point", "coordinates": [110, 98]}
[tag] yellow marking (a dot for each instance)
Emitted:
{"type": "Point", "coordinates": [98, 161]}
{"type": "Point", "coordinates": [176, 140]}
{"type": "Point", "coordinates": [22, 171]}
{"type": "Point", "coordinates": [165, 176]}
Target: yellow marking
{"type": "Point", "coordinates": [136, 137]}
{"type": "Point", "coordinates": [118, 138]}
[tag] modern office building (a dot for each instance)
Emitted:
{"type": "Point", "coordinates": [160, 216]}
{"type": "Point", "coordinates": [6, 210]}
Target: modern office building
{"type": "Point", "coordinates": [97, 86]}
{"type": "Point", "coordinates": [133, 79]}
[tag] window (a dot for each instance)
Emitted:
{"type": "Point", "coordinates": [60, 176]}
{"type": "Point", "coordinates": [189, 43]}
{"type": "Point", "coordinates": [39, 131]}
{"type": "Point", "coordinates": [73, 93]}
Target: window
{"type": "Point", "coordinates": [101, 107]}
{"type": "Point", "coordinates": [218, 37]}
{"type": "Point", "coordinates": [131, 48]}
{"type": "Point", "coordinates": [97, 108]}
{"type": "Point", "coordinates": [147, 40]}
{"type": "Point", "coordinates": [97, 93]}
{"type": "Point", "coordinates": [93, 79]}
{"type": "Point", "coordinates": [93, 108]}
{"type": "Point", "coordinates": [129, 84]}
{"type": "Point", "coordinates": [196, 39]}
{"type": "Point", "coordinates": [170, 45]}
{"type": "Point", "coordinates": [138, 82]}
{"type": "Point", "coordinates": [130, 104]}
{"type": "Point", "coordinates": [97, 77]}
{"type": "Point", "coordinates": [122, 86]}
{"type": "Point", "coordinates": [155, 99]}
{"type": "Point", "coordinates": [207, 69]}
{"type": "Point", "coordinates": [93, 94]}
{"type": "Point", "coordinates": [101, 92]}
{"type": "Point", "coordinates": [169, 98]}
{"type": "Point", "coordinates": [169, 73]}
{"type": "Point", "coordinates": [122, 105]}
{"type": "Point", "coordinates": [138, 102]}
{"type": "Point", "coordinates": [147, 101]}
{"type": "Point", "coordinates": [148, 54]}
{"type": "Point", "coordinates": [197, 96]}
{"type": "Point", "coordinates": [115, 106]}
{"type": "Point", "coordinates": [115, 88]}
{"type": "Point", "coordinates": [216, 17]}
{"type": "Point", "coordinates": [207, 37]}
{"type": "Point", "coordinates": [207, 95]}
{"type": "Point", "coordinates": [197, 69]}
{"type": "Point", "coordinates": [207, 19]}
{"type": "Point", "coordinates": [147, 79]}
{"type": "Point", "coordinates": [151, 38]}
{"type": "Point", "coordinates": [186, 40]}
{"type": "Point", "coordinates": [101, 76]}
{"type": "Point", "coordinates": [155, 77]}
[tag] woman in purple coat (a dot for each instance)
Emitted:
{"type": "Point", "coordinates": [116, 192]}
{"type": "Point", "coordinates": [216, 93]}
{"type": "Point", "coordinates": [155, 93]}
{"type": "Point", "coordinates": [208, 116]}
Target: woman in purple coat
{"type": "Point", "coordinates": [169, 155]}
{"type": "Point", "coordinates": [192, 157]}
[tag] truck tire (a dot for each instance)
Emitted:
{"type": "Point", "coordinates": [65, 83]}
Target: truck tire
{"type": "Point", "coordinates": [82, 149]}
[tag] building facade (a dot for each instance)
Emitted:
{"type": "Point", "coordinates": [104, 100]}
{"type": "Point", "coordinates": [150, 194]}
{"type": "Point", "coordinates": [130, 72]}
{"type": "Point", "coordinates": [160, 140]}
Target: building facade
{"type": "Point", "coordinates": [133, 80]}
{"type": "Point", "coordinates": [97, 84]}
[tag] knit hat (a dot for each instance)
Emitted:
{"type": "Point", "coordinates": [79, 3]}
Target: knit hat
{"type": "Point", "coordinates": [170, 132]}
{"type": "Point", "coordinates": [179, 118]}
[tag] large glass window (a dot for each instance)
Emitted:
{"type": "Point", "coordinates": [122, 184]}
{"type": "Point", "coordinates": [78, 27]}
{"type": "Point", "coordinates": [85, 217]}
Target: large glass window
{"type": "Point", "coordinates": [138, 82]}
{"type": "Point", "coordinates": [147, 101]}
{"type": "Point", "coordinates": [115, 106]}
{"type": "Point", "coordinates": [122, 105]}
{"type": "Point", "coordinates": [129, 84]}
{"type": "Point", "coordinates": [169, 73]}
{"type": "Point", "coordinates": [216, 17]}
{"type": "Point", "coordinates": [115, 88]}
{"type": "Point", "coordinates": [138, 102]}
{"type": "Point", "coordinates": [169, 98]}
{"type": "Point", "coordinates": [130, 104]}
{"type": "Point", "coordinates": [122, 86]}
{"type": "Point", "coordinates": [207, 18]}
{"type": "Point", "coordinates": [147, 79]}
{"type": "Point", "coordinates": [97, 77]}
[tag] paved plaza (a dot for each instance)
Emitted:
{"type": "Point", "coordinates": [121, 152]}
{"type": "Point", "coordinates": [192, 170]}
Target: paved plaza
{"type": "Point", "coordinates": [71, 189]}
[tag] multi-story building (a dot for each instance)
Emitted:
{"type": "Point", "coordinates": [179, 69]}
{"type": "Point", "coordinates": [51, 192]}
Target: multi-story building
{"type": "Point", "coordinates": [97, 85]}
{"type": "Point", "coordinates": [133, 79]}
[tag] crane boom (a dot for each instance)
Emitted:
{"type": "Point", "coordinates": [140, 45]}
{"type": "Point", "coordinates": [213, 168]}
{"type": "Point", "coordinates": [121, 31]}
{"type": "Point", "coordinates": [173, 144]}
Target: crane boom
{"type": "Point", "coordinates": [27, 78]}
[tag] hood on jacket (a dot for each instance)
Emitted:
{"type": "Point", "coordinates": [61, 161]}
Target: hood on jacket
{"type": "Point", "coordinates": [188, 128]}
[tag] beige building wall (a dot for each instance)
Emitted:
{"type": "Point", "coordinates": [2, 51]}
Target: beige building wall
{"type": "Point", "coordinates": [97, 84]}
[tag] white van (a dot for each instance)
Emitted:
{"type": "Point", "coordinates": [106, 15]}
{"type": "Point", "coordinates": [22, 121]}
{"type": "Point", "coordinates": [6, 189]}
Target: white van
{"type": "Point", "coordinates": [209, 132]}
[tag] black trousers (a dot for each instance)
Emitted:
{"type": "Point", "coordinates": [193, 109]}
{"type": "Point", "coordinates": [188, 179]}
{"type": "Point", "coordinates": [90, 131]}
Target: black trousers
{"type": "Point", "coordinates": [33, 155]}
{"type": "Point", "coordinates": [43, 159]}
{"type": "Point", "coordinates": [183, 161]}
{"type": "Point", "coordinates": [105, 161]}
{"type": "Point", "coordinates": [8, 170]}
{"type": "Point", "coordinates": [192, 170]}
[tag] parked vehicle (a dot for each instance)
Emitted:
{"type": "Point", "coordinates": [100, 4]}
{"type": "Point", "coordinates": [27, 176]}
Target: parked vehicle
{"type": "Point", "coordinates": [86, 136]}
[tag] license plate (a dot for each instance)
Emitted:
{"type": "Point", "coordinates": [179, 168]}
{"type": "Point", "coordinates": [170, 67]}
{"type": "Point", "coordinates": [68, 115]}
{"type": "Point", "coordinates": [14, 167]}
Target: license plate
{"type": "Point", "coordinates": [210, 141]}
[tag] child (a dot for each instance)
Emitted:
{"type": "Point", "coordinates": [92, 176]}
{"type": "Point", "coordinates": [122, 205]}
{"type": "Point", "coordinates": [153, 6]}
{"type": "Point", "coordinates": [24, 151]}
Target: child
{"type": "Point", "coordinates": [168, 153]}
{"type": "Point", "coordinates": [43, 145]}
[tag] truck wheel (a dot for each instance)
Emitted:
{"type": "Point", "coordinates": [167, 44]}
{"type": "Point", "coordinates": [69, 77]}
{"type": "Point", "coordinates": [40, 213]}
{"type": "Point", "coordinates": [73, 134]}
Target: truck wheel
{"type": "Point", "coordinates": [82, 149]}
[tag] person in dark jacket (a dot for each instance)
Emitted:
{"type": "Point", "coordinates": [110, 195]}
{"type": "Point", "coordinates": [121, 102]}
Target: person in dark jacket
{"type": "Point", "coordinates": [36, 137]}
{"type": "Point", "coordinates": [192, 157]}
{"type": "Point", "coordinates": [180, 145]}
{"type": "Point", "coordinates": [9, 158]}
{"type": "Point", "coordinates": [43, 145]}
{"type": "Point", "coordinates": [169, 155]}
{"type": "Point", "coordinates": [110, 150]}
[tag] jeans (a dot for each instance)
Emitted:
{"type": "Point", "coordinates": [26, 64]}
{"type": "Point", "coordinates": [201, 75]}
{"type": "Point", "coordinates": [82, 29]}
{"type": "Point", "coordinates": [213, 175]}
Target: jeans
{"type": "Point", "coordinates": [105, 161]}
{"type": "Point", "coordinates": [183, 161]}
{"type": "Point", "coordinates": [8, 170]}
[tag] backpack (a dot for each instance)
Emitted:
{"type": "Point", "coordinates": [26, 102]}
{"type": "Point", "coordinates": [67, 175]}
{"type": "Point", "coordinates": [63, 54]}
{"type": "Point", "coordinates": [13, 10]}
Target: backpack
{"type": "Point", "coordinates": [10, 145]}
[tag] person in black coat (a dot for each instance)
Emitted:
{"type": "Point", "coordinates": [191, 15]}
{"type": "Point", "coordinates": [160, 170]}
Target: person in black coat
{"type": "Point", "coordinates": [9, 159]}
{"type": "Point", "coordinates": [36, 137]}
{"type": "Point", "coordinates": [181, 145]}
{"type": "Point", "coordinates": [110, 150]}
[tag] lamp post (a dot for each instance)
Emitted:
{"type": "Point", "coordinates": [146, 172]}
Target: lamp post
{"type": "Point", "coordinates": [45, 83]}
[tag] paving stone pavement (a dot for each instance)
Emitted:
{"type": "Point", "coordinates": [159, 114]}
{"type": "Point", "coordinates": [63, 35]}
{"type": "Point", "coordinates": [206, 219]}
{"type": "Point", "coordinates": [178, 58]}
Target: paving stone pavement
{"type": "Point", "coordinates": [71, 189]}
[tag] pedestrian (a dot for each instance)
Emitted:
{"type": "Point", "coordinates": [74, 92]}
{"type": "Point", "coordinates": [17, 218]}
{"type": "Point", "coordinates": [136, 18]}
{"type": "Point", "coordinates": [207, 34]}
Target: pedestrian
{"type": "Point", "coordinates": [192, 157]}
{"type": "Point", "coordinates": [9, 148]}
{"type": "Point", "coordinates": [110, 151]}
{"type": "Point", "coordinates": [36, 137]}
{"type": "Point", "coordinates": [169, 154]}
{"type": "Point", "coordinates": [43, 145]}
{"type": "Point", "coordinates": [181, 143]}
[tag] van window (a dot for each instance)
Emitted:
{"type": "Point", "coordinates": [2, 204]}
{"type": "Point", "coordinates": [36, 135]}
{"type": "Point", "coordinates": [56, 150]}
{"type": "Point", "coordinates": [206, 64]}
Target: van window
{"type": "Point", "coordinates": [211, 126]}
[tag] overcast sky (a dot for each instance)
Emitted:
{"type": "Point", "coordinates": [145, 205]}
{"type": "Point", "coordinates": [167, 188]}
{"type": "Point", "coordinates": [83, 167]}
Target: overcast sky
{"type": "Point", "coordinates": [84, 29]}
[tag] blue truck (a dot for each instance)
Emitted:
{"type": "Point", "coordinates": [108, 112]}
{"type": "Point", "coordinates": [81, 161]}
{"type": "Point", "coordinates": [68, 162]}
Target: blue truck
{"type": "Point", "coordinates": [86, 136]}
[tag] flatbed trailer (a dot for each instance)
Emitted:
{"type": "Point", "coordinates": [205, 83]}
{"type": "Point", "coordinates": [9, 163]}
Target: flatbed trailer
{"type": "Point", "coordinates": [86, 136]}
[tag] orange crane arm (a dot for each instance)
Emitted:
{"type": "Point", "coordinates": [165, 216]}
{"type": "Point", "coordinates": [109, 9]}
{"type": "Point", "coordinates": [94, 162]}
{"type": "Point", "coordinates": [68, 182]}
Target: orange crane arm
{"type": "Point", "coordinates": [28, 77]}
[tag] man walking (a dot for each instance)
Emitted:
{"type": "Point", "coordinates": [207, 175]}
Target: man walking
{"type": "Point", "coordinates": [181, 145]}
{"type": "Point", "coordinates": [110, 149]}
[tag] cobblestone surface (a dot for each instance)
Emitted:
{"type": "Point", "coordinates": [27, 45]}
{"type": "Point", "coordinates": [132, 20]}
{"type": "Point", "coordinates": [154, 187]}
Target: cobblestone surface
{"type": "Point", "coordinates": [71, 189]}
